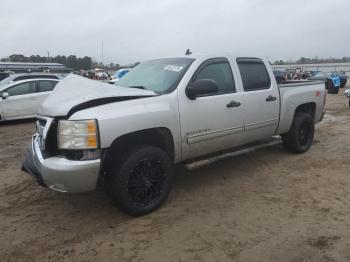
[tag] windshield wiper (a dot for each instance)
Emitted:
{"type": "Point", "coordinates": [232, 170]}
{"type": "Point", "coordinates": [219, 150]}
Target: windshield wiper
{"type": "Point", "coordinates": [138, 87]}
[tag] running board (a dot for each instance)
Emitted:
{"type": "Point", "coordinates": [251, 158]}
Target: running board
{"type": "Point", "coordinates": [208, 161]}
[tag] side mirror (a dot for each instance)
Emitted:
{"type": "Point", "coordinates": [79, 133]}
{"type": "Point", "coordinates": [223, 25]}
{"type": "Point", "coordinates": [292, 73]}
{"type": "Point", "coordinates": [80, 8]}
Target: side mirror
{"type": "Point", "coordinates": [201, 87]}
{"type": "Point", "coordinates": [4, 95]}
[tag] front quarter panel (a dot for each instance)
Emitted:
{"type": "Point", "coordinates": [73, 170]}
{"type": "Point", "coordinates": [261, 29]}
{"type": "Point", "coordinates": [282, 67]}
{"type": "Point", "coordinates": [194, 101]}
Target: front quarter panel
{"type": "Point", "coordinates": [120, 118]}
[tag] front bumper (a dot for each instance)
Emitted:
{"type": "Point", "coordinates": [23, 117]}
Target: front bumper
{"type": "Point", "coordinates": [58, 173]}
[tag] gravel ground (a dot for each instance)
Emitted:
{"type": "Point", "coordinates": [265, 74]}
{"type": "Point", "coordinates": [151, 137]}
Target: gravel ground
{"type": "Point", "coordinates": [268, 205]}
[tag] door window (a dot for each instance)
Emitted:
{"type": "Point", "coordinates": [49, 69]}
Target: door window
{"type": "Point", "coordinates": [221, 73]}
{"type": "Point", "coordinates": [46, 86]}
{"type": "Point", "coordinates": [21, 89]}
{"type": "Point", "coordinates": [254, 74]}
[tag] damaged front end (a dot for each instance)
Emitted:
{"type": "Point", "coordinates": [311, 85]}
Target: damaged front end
{"type": "Point", "coordinates": [65, 154]}
{"type": "Point", "coordinates": [57, 169]}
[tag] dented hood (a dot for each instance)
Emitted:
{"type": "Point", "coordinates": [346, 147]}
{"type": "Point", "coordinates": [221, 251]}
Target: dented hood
{"type": "Point", "coordinates": [75, 93]}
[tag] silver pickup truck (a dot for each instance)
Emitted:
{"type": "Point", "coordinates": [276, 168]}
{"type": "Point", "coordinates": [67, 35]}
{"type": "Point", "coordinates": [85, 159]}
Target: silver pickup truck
{"type": "Point", "coordinates": [164, 112]}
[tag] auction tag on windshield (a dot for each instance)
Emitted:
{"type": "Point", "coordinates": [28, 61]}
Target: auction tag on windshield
{"type": "Point", "coordinates": [173, 68]}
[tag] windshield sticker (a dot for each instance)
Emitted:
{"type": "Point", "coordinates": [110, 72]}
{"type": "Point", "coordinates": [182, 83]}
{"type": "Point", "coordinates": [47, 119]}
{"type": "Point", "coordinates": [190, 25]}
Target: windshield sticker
{"type": "Point", "coordinates": [173, 68]}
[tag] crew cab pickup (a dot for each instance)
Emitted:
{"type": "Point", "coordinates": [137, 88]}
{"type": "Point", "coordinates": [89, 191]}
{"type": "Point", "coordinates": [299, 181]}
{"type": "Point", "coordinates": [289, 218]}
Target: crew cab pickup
{"type": "Point", "coordinates": [163, 112]}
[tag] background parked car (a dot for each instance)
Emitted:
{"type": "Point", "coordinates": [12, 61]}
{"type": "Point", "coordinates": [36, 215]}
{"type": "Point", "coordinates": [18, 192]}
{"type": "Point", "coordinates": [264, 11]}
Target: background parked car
{"type": "Point", "coordinates": [343, 78]}
{"type": "Point", "coordinates": [20, 77]}
{"type": "Point", "coordinates": [306, 75]}
{"type": "Point", "coordinates": [119, 74]}
{"type": "Point", "coordinates": [101, 75]}
{"type": "Point", "coordinates": [313, 73]}
{"type": "Point", "coordinates": [21, 99]}
{"type": "Point", "coordinates": [322, 76]}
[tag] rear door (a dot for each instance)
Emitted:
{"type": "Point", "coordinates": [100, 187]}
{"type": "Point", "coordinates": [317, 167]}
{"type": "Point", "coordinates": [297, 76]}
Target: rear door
{"type": "Point", "coordinates": [260, 101]}
{"type": "Point", "coordinates": [43, 89]}
{"type": "Point", "coordinates": [211, 122]}
{"type": "Point", "coordinates": [20, 102]}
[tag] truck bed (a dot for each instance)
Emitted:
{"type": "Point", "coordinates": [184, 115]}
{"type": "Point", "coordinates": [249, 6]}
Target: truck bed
{"type": "Point", "coordinates": [290, 83]}
{"type": "Point", "coordinates": [292, 92]}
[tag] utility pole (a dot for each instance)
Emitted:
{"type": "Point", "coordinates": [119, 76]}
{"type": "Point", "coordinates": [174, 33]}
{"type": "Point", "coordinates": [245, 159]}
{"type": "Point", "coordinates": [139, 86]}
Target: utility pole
{"type": "Point", "coordinates": [102, 53]}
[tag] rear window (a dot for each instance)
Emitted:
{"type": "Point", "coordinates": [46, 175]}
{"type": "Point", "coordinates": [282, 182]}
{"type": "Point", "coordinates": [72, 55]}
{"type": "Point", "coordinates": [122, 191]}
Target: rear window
{"type": "Point", "coordinates": [254, 74]}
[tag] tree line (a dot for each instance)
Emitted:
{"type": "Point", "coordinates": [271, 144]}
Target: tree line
{"type": "Point", "coordinates": [72, 61]}
{"type": "Point", "coordinates": [316, 60]}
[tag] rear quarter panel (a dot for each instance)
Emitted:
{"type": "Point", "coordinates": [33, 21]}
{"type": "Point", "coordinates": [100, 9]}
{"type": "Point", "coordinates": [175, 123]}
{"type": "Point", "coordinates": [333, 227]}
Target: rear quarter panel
{"type": "Point", "coordinates": [294, 95]}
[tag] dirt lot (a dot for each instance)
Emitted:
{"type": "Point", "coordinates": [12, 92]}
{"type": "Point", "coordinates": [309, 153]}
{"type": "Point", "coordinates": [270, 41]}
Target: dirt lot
{"type": "Point", "coordinates": [265, 206]}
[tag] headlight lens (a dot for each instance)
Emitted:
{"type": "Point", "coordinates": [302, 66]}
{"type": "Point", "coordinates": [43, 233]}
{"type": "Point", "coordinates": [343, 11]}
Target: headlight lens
{"type": "Point", "coordinates": [79, 134]}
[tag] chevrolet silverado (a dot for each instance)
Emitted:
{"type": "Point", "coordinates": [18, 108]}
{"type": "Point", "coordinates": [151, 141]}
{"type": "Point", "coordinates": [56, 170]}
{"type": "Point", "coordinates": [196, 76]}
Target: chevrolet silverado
{"type": "Point", "coordinates": [164, 112]}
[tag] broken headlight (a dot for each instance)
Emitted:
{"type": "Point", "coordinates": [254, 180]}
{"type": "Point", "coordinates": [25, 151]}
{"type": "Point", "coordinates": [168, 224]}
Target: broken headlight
{"type": "Point", "coordinates": [77, 134]}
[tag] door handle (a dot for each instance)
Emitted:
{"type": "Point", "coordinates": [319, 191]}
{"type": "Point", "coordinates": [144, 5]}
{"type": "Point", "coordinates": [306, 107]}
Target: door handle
{"type": "Point", "coordinates": [271, 98]}
{"type": "Point", "coordinates": [233, 104]}
{"type": "Point", "coordinates": [33, 98]}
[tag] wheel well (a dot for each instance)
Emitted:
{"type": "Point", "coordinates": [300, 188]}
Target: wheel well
{"type": "Point", "coordinates": [308, 108]}
{"type": "Point", "coordinates": [160, 137]}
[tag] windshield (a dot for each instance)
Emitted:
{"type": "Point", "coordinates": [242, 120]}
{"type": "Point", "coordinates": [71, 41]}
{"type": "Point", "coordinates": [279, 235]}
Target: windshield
{"type": "Point", "coordinates": [160, 75]}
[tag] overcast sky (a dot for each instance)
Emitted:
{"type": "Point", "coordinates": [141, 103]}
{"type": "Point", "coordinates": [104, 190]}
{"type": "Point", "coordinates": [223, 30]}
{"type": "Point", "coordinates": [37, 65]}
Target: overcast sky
{"type": "Point", "coordinates": [140, 29]}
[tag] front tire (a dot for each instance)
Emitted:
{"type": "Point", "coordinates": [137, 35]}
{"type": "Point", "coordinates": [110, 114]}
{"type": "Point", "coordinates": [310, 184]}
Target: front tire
{"type": "Point", "coordinates": [140, 182]}
{"type": "Point", "coordinates": [301, 134]}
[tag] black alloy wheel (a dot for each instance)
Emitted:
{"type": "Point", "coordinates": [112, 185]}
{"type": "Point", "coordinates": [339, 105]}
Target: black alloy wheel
{"type": "Point", "coordinates": [140, 181]}
{"type": "Point", "coordinates": [301, 134]}
{"type": "Point", "coordinates": [146, 182]}
{"type": "Point", "coordinates": [304, 134]}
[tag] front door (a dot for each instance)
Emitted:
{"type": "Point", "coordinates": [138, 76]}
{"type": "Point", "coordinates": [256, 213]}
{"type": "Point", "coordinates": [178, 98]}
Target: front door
{"type": "Point", "coordinates": [21, 101]}
{"type": "Point", "coordinates": [211, 122]}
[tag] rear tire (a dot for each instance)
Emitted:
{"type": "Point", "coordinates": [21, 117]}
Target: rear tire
{"type": "Point", "coordinates": [140, 182]}
{"type": "Point", "coordinates": [301, 134]}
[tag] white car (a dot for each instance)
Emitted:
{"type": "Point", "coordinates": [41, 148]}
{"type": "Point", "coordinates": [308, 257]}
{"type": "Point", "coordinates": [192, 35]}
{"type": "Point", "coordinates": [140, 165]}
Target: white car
{"type": "Point", "coordinates": [21, 99]}
{"type": "Point", "coordinates": [26, 76]}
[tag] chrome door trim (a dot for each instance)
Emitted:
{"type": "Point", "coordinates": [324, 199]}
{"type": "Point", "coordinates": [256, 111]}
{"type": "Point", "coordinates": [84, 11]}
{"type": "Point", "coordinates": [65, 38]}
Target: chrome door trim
{"type": "Point", "coordinates": [261, 124]}
{"type": "Point", "coordinates": [214, 134]}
